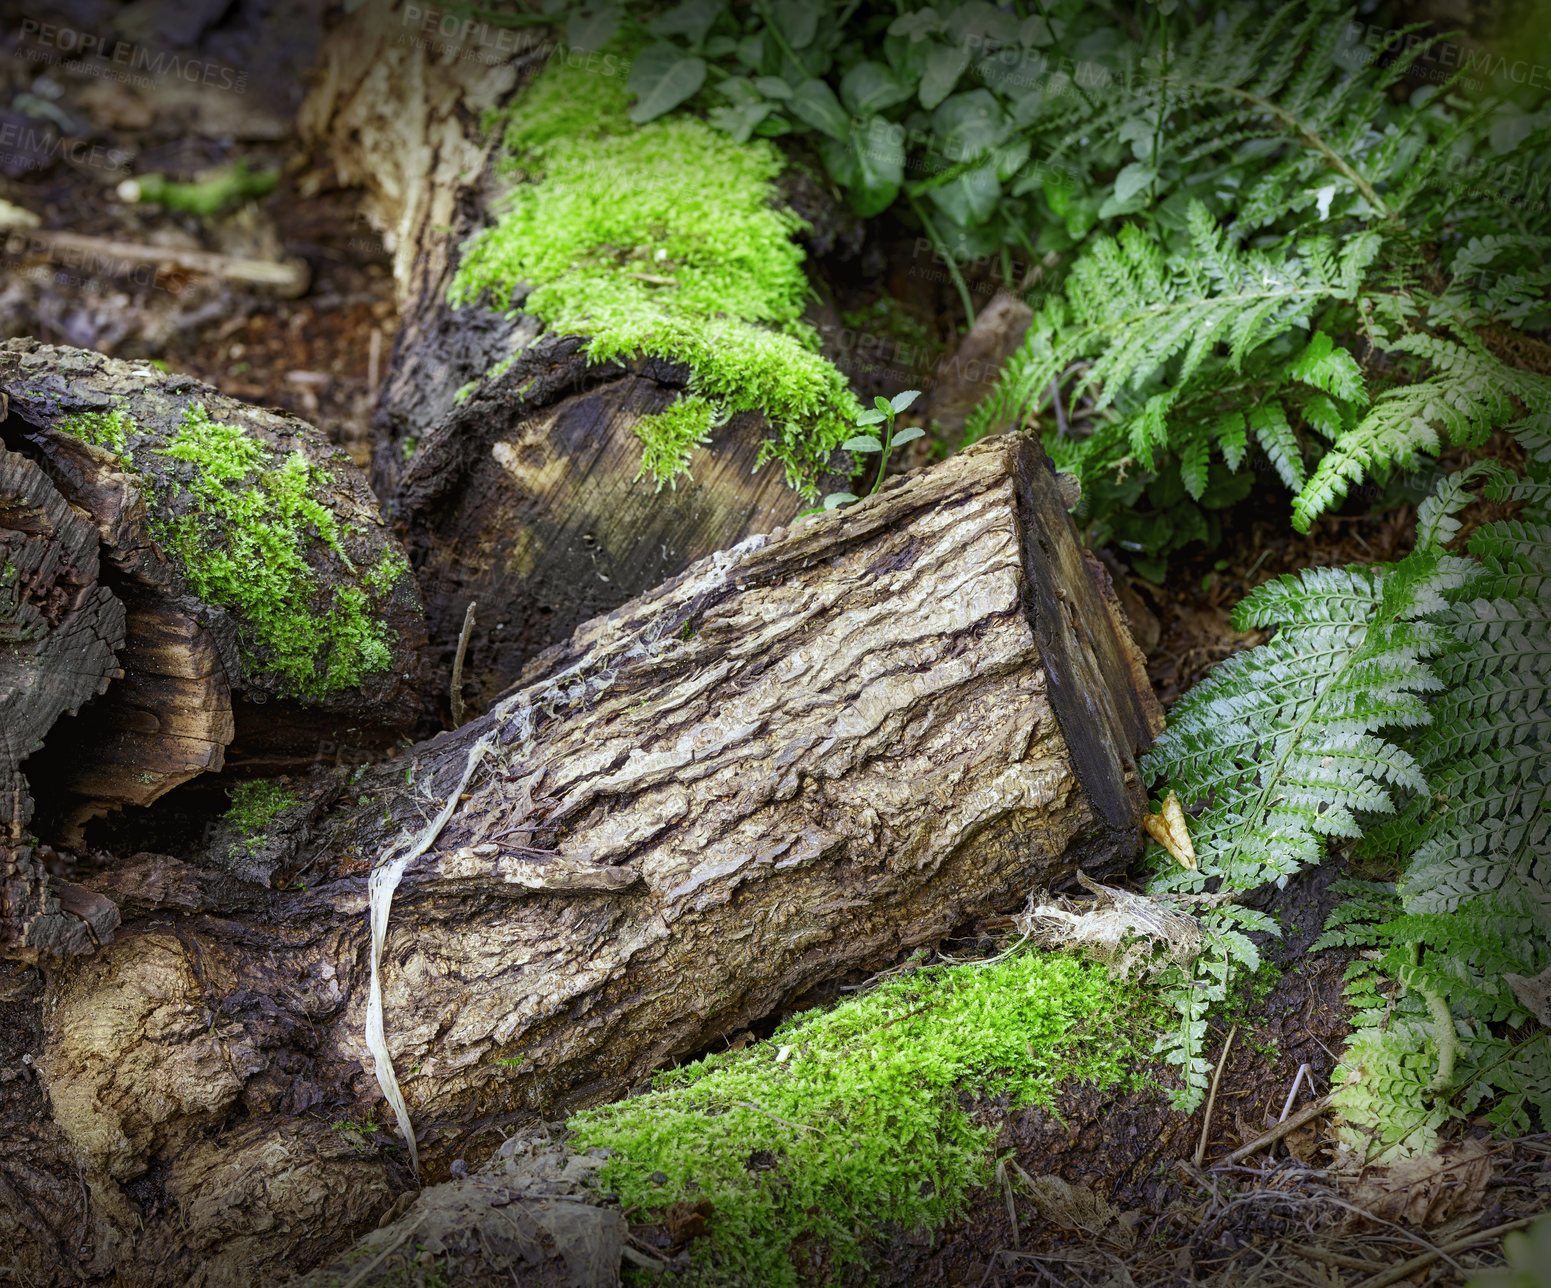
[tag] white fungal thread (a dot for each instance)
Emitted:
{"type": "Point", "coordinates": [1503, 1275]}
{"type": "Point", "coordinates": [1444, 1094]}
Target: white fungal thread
{"type": "Point", "coordinates": [568, 688]}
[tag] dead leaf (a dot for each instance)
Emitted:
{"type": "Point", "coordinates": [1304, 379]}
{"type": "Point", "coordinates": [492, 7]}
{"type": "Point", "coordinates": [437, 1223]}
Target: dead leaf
{"type": "Point", "coordinates": [1070, 1206]}
{"type": "Point", "coordinates": [1170, 830]}
{"type": "Point", "coordinates": [1429, 1188]}
{"type": "Point", "coordinates": [686, 1221]}
{"type": "Point", "coordinates": [1534, 993]}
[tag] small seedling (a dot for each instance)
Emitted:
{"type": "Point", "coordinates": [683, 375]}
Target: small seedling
{"type": "Point", "coordinates": [882, 413]}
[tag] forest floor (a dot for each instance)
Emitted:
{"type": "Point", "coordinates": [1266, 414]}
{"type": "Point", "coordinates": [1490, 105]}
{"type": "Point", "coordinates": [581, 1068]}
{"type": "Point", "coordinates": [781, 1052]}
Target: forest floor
{"type": "Point", "coordinates": [1136, 1210]}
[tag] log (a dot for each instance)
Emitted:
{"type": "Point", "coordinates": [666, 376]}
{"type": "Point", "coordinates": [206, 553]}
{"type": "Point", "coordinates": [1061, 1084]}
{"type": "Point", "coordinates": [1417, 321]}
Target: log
{"type": "Point", "coordinates": [800, 757]}
{"type": "Point", "coordinates": [525, 498]}
{"type": "Point", "coordinates": [60, 629]}
{"type": "Point", "coordinates": [267, 604]}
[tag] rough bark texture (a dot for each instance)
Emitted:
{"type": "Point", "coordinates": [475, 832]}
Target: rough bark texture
{"type": "Point", "coordinates": [525, 497]}
{"type": "Point", "coordinates": [173, 714]}
{"type": "Point", "coordinates": [60, 629]}
{"type": "Point", "coordinates": [798, 758]}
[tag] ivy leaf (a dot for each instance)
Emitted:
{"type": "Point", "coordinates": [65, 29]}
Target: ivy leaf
{"type": "Point", "coordinates": [944, 65]}
{"type": "Point", "coordinates": [909, 435]}
{"type": "Point", "coordinates": [591, 31]}
{"type": "Point", "coordinates": [796, 20]}
{"type": "Point", "coordinates": [693, 19]}
{"type": "Point", "coordinates": [863, 443]}
{"type": "Point", "coordinates": [870, 87]}
{"type": "Point", "coordinates": [662, 78]}
{"type": "Point", "coordinates": [1132, 180]}
{"type": "Point", "coordinates": [869, 163]}
{"type": "Point", "coordinates": [814, 102]}
{"type": "Point", "coordinates": [901, 401]}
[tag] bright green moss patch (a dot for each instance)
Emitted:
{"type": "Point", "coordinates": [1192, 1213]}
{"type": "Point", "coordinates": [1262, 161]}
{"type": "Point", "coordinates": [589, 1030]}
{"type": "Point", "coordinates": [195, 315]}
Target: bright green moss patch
{"type": "Point", "coordinates": [663, 239]}
{"type": "Point", "coordinates": [109, 429]}
{"type": "Point", "coordinates": [255, 805]}
{"type": "Point", "coordinates": [243, 547]}
{"type": "Point", "coordinates": [858, 1129]}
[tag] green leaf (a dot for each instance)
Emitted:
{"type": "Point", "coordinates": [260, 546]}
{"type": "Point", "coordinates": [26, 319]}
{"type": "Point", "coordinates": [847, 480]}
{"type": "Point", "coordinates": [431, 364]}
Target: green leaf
{"type": "Point", "coordinates": [970, 199]}
{"type": "Point", "coordinates": [740, 121]}
{"type": "Point", "coordinates": [1035, 31]}
{"type": "Point", "coordinates": [751, 51]}
{"type": "Point", "coordinates": [835, 499]}
{"type": "Point", "coordinates": [902, 400]}
{"type": "Point", "coordinates": [909, 435]}
{"type": "Point", "coordinates": [869, 163]}
{"type": "Point", "coordinates": [870, 87]}
{"type": "Point", "coordinates": [870, 417]}
{"type": "Point", "coordinates": [883, 404]}
{"type": "Point", "coordinates": [661, 78]}
{"type": "Point", "coordinates": [983, 21]}
{"type": "Point", "coordinates": [944, 65]}
{"type": "Point", "coordinates": [1276, 437]}
{"type": "Point", "coordinates": [968, 124]}
{"type": "Point", "coordinates": [1133, 179]}
{"type": "Point", "coordinates": [863, 443]}
{"type": "Point", "coordinates": [772, 87]}
{"type": "Point", "coordinates": [592, 30]}
{"type": "Point", "coordinates": [917, 26]}
{"type": "Point", "coordinates": [814, 102]}
{"type": "Point", "coordinates": [692, 19]}
{"type": "Point", "coordinates": [796, 20]}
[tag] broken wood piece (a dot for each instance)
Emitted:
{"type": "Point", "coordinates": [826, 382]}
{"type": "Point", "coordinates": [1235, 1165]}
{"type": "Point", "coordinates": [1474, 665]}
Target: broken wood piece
{"type": "Point", "coordinates": [287, 278]}
{"type": "Point", "coordinates": [1307, 1114]}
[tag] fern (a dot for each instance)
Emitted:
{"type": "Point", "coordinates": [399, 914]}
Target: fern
{"type": "Point", "coordinates": [1421, 685]}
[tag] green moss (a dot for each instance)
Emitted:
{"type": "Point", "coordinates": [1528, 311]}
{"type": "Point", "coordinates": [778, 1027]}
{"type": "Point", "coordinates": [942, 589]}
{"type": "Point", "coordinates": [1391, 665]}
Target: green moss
{"type": "Point", "coordinates": [255, 805]}
{"type": "Point", "coordinates": [857, 1132]}
{"type": "Point", "coordinates": [243, 548]}
{"type": "Point", "coordinates": [663, 239]}
{"type": "Point", "coordinates": [109, 429]}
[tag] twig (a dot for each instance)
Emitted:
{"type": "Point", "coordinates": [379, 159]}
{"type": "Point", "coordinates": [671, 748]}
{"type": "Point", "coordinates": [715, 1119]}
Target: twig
{"type": "Point", "coordinates": [1306, 1114]}
{"type": "Point", "coordinates": [289, 277]}
{"type": "Point", "coordinates": [1055, 401]}
{"type": "Point", "coordinates": [1331, 1258]}
{"type": "Point", "coordinates": [1407, 1268]}
{"type": "Point", "coordinates": [759, 1109]}
{"type": "Point", "coordinates": [1303, 1069]}
{"type": "Point", "coordinates": [1211, 1098]}
{"type": "Point", "coordinates": [457, 664]}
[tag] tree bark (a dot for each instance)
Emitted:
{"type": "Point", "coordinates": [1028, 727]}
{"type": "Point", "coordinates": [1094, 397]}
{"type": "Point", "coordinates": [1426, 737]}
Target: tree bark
{"type": "Point", "coordinates": [524, 497]}
{"type": "Point", "coordinates": [60, 629]}
{"type": "Point", "coordinates": [798, 758]}
{"type": "Point", "coordinates": [197, 673]}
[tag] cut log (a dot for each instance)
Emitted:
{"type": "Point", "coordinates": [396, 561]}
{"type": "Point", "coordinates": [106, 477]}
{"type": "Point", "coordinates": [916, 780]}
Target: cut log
{"type": "Point", "coordinates": [800, 757]}
{"type": "Point", "coordinates": [526, 496]}
{"type": "Point", "coordinates": [253, 561]}
{"type": "Point", "coordinates": [60, 628]}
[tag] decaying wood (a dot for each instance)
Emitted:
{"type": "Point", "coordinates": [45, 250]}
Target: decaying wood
{"type": "Point", "coordinates": [526, 498]}
{"type": "Point", "coordinates": [800, 757]}
{"type": "Point", "coordinates": [526, 495]}
{"type": "Point", "coordinates": [60, 629]}
{"type": "Point", "coordinates": [174, 713]}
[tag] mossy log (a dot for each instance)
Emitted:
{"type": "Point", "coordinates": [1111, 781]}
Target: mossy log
{"type": "Point", "coordinates": [511, 462]}
{"type": "Point", "coordinates": [800, 757]}
{"type": "Point", "coordinates": [249, 568]}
